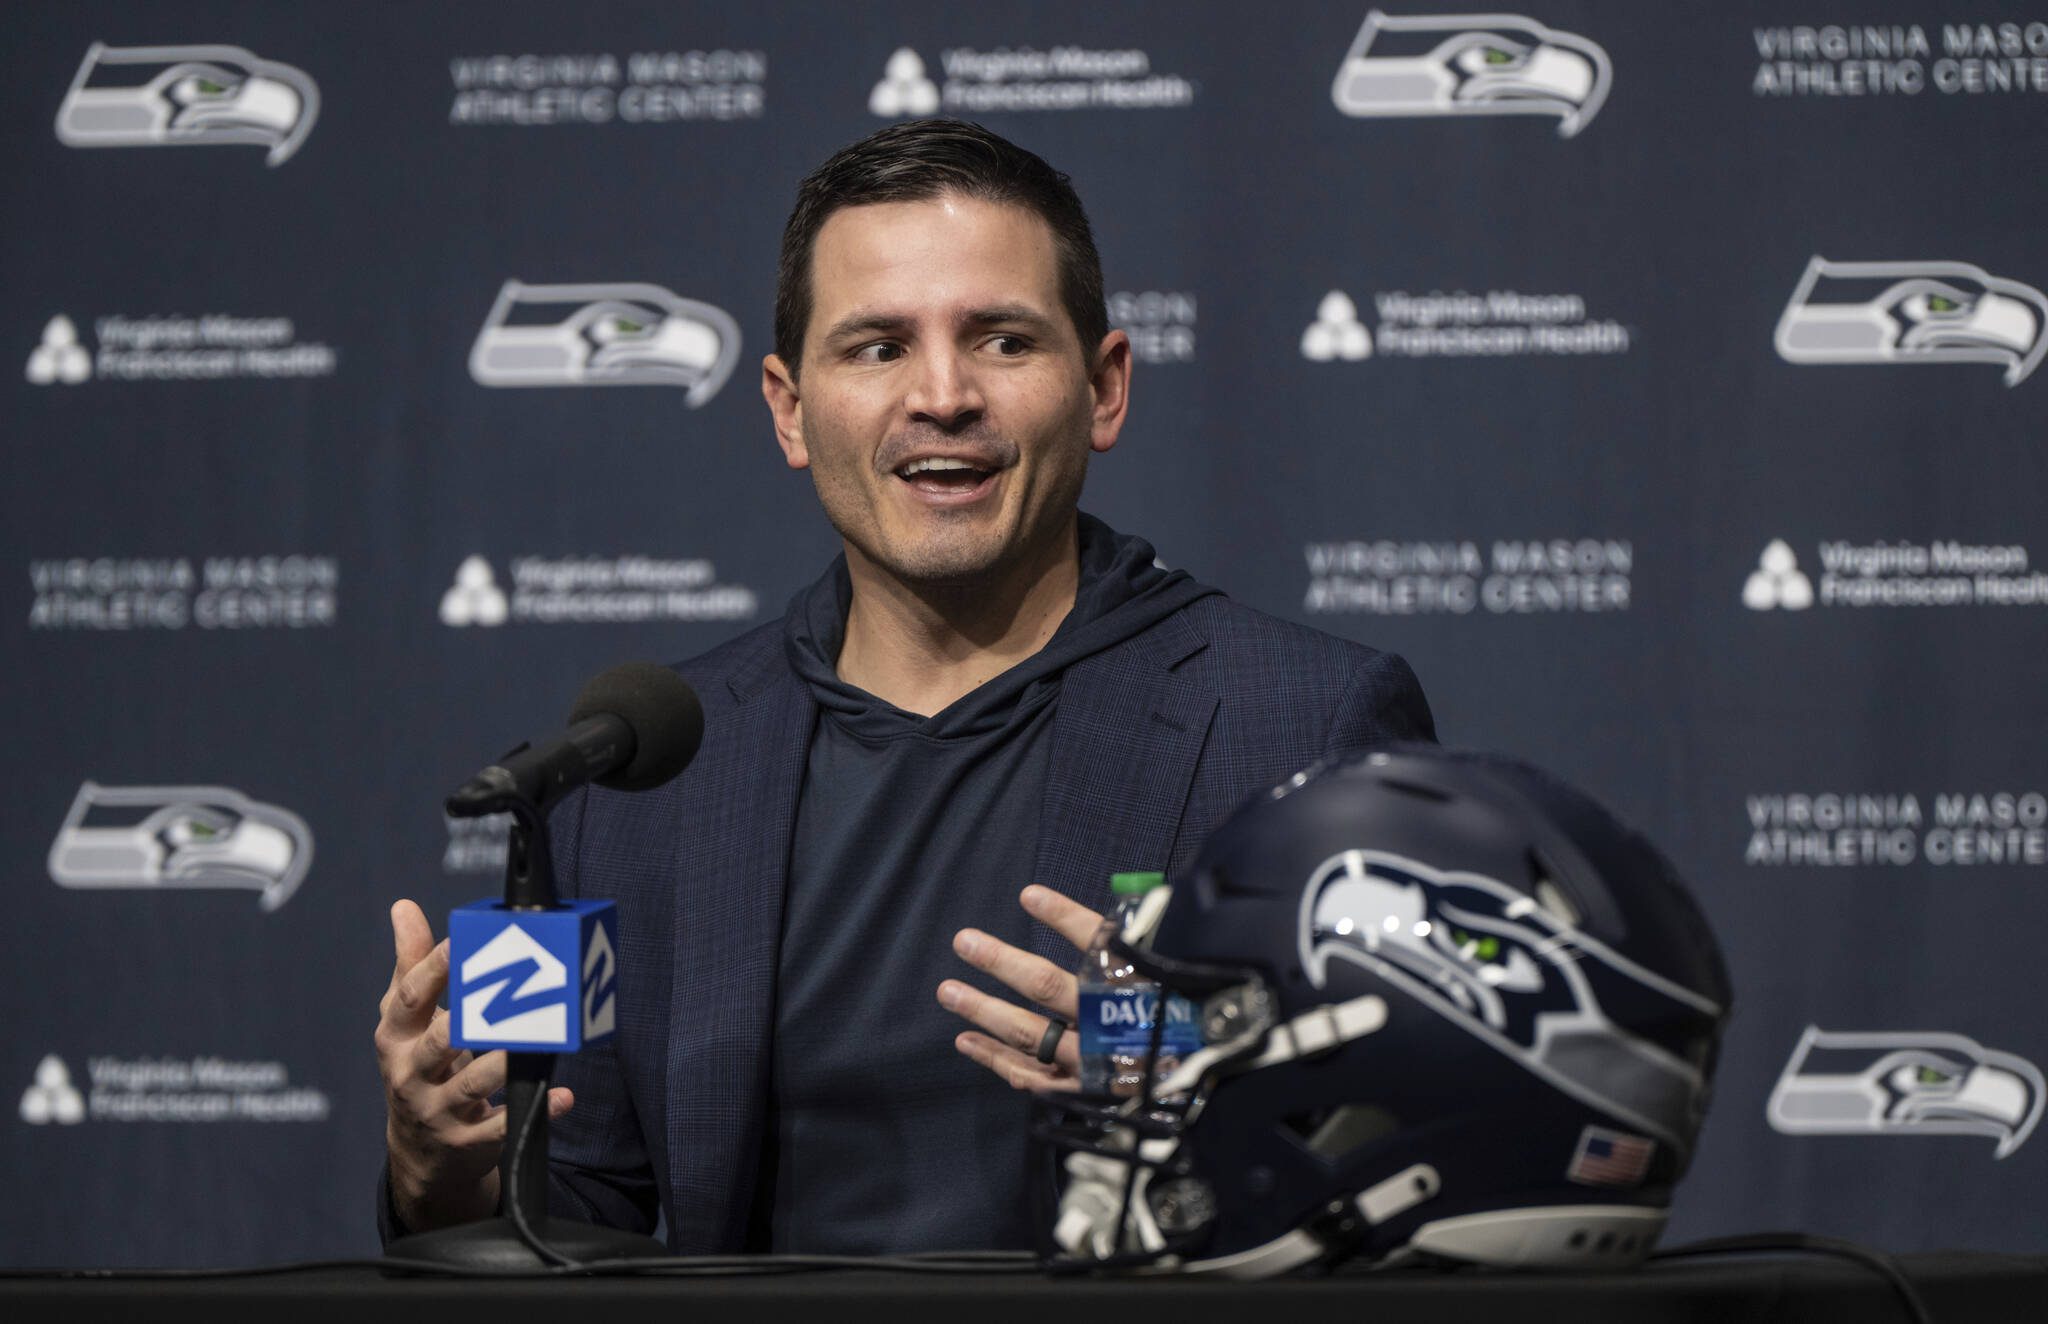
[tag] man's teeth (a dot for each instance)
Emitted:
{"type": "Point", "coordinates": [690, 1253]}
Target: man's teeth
{"type": "Point", "coordinates": [916, 467]}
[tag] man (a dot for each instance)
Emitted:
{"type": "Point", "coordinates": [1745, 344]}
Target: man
{"type": "Point", "coordinates": [988, 688]}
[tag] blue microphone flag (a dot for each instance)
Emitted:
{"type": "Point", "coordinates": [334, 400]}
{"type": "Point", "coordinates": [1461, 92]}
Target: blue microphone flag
{"type": "Point", "coordinates": [533, 981]}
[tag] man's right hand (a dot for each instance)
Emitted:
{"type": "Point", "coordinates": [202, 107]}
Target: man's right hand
{"type": "Point", "coordinates": [442, 1131]}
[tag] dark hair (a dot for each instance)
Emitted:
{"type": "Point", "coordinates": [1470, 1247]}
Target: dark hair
{"type": "Point", "coordinates": [919, 160]}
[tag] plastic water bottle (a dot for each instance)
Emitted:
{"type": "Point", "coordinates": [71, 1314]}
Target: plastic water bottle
{"type": "Point", "coordinates": [1117, 1005]}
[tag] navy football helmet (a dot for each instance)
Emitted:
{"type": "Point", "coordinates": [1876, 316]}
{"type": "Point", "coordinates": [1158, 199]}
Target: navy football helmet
{"type": "Point", "coordinates": [1451, 1008]}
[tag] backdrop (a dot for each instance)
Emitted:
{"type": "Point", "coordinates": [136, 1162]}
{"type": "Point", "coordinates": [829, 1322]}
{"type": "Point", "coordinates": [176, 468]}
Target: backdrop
{"type": "Point", "coordinates": [1660, 380]}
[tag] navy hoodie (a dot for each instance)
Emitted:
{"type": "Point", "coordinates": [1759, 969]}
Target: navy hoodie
{"type": "Point", "coordinates": [883, 1138]}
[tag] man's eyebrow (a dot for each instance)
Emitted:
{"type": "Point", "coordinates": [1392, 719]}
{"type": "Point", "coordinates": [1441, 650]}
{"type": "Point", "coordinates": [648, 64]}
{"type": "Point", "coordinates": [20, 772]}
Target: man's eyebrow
{"type": "Point", "coordinates": [868, 323]}
{"type": "Point", "coordinates": [1010, 314]}
{"type": "Point", "coordinates": [862, 323]}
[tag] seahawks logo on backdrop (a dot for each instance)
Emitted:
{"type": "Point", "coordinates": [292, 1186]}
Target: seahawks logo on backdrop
{"type": "Point", "coordinates": [1512, 970]}
{"type": "Point", "coordinates": [1913, 312]}
{"type": "Point", "coordinates": [627, 334]}
{"type": "Point", "coordinates": [187, 96]}
{"type": "Point", "coordinates": [1471, 64]}
{"type": "Point", "coordinates": [180, 837]}
{"type": "Point", "coordinates": [1905, 1083]}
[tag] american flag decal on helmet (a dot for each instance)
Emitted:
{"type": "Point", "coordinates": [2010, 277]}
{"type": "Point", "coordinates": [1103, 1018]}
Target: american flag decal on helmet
{"type": "Point", "coordinates": [1610, 1158]}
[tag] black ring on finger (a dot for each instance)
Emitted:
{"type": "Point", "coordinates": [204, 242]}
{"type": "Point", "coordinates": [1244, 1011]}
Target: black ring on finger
{"type": "Point", "coordinates": [1049, 1042]}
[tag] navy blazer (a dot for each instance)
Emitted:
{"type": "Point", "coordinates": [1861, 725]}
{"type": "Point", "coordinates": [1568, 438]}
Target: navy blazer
{"type": "Point", "coordinates": [1154, 742]}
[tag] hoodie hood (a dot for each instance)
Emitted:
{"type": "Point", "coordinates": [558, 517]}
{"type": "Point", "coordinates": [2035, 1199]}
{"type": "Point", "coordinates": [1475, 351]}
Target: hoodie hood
{"type": "Point", "coordinates": [1123, 591]}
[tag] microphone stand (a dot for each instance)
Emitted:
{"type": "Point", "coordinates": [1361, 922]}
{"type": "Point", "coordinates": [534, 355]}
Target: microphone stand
{"type": "Point", "coordinates": [522, 1236]}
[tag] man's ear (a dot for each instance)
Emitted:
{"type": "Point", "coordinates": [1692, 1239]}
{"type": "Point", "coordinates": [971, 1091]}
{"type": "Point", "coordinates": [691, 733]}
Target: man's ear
{"type": "Point", "coordinates": [1110, 382]}
{"type": "Point", "coordinates": [778, 388]}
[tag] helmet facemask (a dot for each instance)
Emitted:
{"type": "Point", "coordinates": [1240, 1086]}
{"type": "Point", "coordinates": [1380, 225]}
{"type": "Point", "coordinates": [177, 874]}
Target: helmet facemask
{"type": "Point", "coordinates": [1133, 1195]}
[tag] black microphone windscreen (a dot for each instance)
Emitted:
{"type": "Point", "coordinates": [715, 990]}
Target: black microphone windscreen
{"type": "Point", "coordinates": [663, 712]}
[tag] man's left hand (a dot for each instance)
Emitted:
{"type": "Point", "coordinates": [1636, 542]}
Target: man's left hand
{"type": "Point", "coordinates": [1008, 1041]}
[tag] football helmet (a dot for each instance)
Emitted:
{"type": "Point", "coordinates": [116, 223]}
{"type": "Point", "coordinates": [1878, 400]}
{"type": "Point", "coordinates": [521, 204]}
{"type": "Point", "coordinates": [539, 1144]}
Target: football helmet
{"type": "Point", "coordinates": [1450, 1007]}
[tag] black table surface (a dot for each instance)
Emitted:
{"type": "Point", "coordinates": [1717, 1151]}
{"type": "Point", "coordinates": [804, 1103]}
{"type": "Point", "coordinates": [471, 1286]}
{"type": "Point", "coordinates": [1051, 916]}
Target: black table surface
{"type": "Point", "coordinates": [1957, 1288]}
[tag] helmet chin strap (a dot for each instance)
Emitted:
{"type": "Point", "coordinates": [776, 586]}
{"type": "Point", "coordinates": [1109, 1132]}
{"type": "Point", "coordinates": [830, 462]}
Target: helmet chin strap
{"type": "Point", "coordinates": [1092, 1205]}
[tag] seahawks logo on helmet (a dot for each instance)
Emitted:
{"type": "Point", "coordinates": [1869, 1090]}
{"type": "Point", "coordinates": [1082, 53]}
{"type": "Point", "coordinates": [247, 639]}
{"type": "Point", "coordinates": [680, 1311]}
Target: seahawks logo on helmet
{"type": "Point", "coordinates": [627, 334]}
{"type": "Point", "coordinates": [1513, 970]}
{"type": "Point", "coordinates": [1913, 312]}
{"type": "Point", "coordinates": [1471, 64]}
{"type": "Point", "coordinates": [180, 837]}
{"type": "Point", "coordinates": [1838, 1083]}
{"type": "Point", "coordinates": [187, 96]}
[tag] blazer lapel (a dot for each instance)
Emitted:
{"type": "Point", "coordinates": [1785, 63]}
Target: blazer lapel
{"type": "Point", "coordinates": [1126, 738]}
{"type": "Point", "coordinates": [730, 880]}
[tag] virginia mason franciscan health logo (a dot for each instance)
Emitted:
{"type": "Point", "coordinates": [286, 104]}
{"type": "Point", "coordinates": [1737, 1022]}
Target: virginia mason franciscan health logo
{"type": "Point", "coordinates": [593, 590]}
{"type": "Point", "coordinates": [1025, 78]}
{"type": "Point", "coordinates": [1913, 312]}
{"type": "Point", "coordinates": [1447, 65]}
{"type": "Point", "coordinates": [175, 347]}
{"type": "Point", "coordinates": [51, 1097]}
{"type": "Point", "coordinates": [188, 96]}
{"type": "Point", "coordinates": [1336, 333]}
{"type": "Point", "coordinates": [623, 334]}
{"type": "Point", "coordinates": [203, 1089]}
{"type": "Point", "coordinates": [905, 88]}
{"type": "Point", "coordinates": [58, 357]}
{"type": "Point", "coordinates": [1777, 583]}
{"type": "Point", "coordinates": [1499, 323]}
{"type": "Point", "coordinates": [179, 837]}
{"type": "Point", "coordinates": [1905, 572]}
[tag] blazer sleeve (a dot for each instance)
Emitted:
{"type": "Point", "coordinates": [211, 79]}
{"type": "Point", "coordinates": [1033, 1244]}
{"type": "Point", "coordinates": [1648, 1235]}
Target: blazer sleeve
{"type": "Point", "coordinates": [598, 1169]}
{"type": "Point", "coordinates": [1382, 704]}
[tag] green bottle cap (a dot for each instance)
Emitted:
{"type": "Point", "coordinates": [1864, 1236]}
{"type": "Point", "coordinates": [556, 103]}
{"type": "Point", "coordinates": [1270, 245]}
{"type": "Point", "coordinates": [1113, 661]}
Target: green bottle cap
{"type": "Point", "coordinates": [1135, 883]}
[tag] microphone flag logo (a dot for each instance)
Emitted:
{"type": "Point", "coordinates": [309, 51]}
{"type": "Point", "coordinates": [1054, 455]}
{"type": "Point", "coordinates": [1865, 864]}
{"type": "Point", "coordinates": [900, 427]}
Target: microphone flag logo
{"type": "Point", "coordinates": [513, 987]}
{"type": "Point", "coordinates": [510, 980]}
{"type": "Point", "coordinates": [600, 987]}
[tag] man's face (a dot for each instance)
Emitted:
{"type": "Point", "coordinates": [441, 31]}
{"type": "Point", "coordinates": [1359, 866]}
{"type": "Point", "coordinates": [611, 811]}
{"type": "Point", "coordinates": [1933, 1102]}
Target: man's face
{"type": "Point", "coordinates": [946, 409]}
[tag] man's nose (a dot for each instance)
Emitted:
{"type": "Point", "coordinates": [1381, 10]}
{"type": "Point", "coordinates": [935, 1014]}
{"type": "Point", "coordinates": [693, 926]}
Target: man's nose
{"type": "Point", "coordinates": [945, 390]}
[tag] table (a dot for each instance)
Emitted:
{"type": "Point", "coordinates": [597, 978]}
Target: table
{"type": "Point", "coordinates": [1958, 1288]}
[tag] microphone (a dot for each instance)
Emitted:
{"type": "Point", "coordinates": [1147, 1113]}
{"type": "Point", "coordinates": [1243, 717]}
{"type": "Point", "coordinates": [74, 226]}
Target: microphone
{"type": "Point", "coordinates": [535, 976]}
{"type": "Point", "coordinates": [633, 728]}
